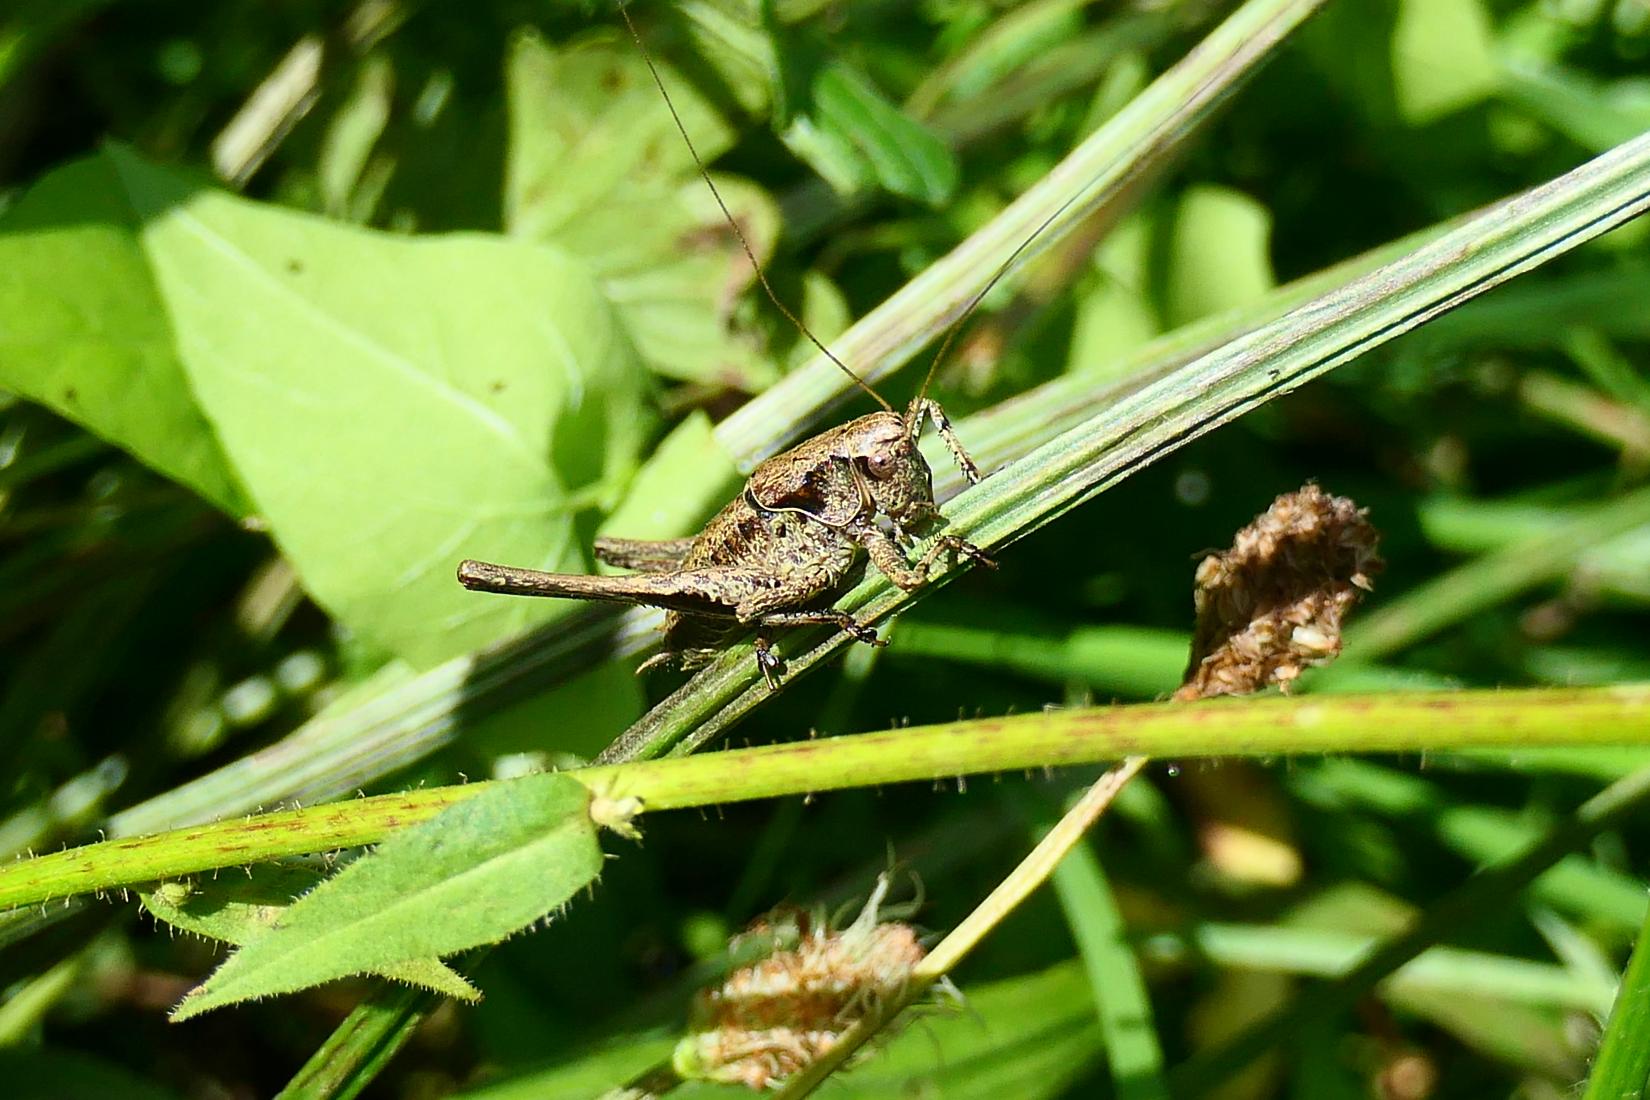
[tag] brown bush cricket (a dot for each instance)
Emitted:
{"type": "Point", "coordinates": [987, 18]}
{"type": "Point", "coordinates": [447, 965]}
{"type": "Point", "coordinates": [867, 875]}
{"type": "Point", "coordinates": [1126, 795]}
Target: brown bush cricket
{"type": "Point", "coordinates": [778, 552]}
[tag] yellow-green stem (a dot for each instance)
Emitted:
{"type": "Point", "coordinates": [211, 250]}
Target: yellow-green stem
{"type": "Point", "coordinates": [1614, 715]}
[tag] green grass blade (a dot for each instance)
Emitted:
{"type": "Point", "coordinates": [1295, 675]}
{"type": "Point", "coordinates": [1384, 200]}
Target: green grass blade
{"type": "Point", "coordinates": [358, 1048]}
{"type": "Point", "coordinates": [1101, 175]}
{"type": "Point", "coordinates": [1469, 589]}
{"type": "Point", "coordinates": [1622, 1068]}
{"type": "Point", "coordinates": [1132, 1052]}
{"type": "Point", "coordinates": [1479, 898]}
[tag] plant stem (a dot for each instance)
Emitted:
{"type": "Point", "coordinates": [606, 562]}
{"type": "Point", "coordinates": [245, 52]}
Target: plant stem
{"type": "Point", "coordinates": [1420, 722]}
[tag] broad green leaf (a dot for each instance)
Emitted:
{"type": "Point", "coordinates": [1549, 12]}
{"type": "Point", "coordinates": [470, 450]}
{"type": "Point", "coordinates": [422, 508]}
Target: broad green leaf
{"type": "Point", "coordinates": [588, 120]}
{"type": "Point", "coordinates": [1115, 315]}
{"type": "Point", "coordinates": [84, 331]}
{"type": "Point", "coordinates": [1442, 58]}
{"type": "Point", "coordinates": [476, 873]}
{"type": "Point", "coordinates": [237, 909]}
{"type": "Point", "coordinates": [597, 166]}
{"type": "Point", "coordinates": [689, 476]}
{"type": "Point", "coordinates": [394, 405]}
{"type": "Point", "coordinates": [1219, 253]}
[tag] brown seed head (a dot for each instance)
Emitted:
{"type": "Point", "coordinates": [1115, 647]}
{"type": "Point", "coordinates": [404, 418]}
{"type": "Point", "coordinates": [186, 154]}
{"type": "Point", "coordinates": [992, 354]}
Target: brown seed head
{"type": "Point", "coordinates": [1272, 605]}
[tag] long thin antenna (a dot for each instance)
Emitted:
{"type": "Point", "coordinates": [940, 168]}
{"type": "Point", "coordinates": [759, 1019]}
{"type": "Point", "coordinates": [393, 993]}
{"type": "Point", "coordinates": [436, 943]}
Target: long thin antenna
{"type": "Point", "coordinates": [974, 303]}
{"type": "Point", "coordinates": [738, 231]}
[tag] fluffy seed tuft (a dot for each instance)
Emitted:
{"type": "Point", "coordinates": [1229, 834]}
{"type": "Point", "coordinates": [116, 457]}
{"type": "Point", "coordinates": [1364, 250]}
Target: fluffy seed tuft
{"type": "Point", "coordinates": [769, 1019]}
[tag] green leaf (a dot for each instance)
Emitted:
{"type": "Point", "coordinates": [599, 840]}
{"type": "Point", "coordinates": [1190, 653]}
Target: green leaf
{"type": "Point", "coordinates": [1219, 254]}
{"type": "Point", "coordinates": [586, 121]}
{"type": "Point", "coordinates": [597, 166]}
{"type": "Point", "coordinates": [854, 137]}
{"type": "Point", "coordinates": [472, 875]}
{"type": "Point", "coordinates": [84, 331]}
{"type": "Point", "coordinates": [1442, 58]}
{"type": "Point", "coordinates": [689, 476]}
{"type": "Point", "coordinates": [1115, 315]}
{"type": "Point", "coordinates": [238, 909]}
{"type": "Point", "coordinates": [394, 405]}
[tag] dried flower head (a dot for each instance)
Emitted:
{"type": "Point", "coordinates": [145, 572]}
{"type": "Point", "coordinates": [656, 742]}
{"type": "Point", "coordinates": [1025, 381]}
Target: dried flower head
{"type": "Point", "coordinates": [1272, 605]}
{"type": "Point", "coordinates": [769, 1019]}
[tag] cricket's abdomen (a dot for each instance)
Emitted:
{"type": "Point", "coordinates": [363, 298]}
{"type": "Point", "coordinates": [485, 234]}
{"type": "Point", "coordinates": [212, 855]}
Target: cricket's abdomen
{"type": "Point", "coordinates": [772, 559]}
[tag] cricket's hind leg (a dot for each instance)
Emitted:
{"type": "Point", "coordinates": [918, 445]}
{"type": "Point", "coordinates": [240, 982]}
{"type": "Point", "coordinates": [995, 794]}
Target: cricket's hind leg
{"type": "Point", "coordinates": [643, 555]}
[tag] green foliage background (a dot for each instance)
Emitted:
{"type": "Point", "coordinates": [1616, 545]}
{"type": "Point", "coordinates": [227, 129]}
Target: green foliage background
{"type": "Point", "coordinates": [469, 297]}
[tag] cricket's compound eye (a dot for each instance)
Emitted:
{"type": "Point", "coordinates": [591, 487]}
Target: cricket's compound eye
{"type": "Point", "coordinates": [882, 464]}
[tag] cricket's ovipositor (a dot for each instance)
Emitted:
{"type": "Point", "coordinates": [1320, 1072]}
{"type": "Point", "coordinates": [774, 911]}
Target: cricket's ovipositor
{"type": "Point", "coordinates": [779, 552]}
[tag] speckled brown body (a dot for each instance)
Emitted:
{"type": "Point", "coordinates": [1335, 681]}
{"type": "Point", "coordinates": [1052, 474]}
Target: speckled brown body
{"type": "Point", "coordinates": [777, 553]}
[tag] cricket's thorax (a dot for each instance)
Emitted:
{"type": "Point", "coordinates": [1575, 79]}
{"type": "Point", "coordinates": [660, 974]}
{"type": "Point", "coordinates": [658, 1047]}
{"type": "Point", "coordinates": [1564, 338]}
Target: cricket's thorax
{"type": "Point", "coordinates": [805, 517]}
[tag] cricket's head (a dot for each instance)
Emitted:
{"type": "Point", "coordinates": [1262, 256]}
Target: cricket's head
{"type": "Point", "coordinates": [883, 448]}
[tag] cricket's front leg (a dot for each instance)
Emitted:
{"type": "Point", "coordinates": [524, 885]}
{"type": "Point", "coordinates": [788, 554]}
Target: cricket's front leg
{"type": "Point", "coordinates": [890, 561]}
{"type": "Point", "coordinates": [927, 406]}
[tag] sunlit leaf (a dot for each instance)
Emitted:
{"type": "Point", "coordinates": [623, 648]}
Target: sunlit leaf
{"type": "Point", "coordinates": [476, 873]}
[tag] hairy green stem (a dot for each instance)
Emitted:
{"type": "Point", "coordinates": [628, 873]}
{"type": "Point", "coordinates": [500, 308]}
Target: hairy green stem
{"type": "Point", "coordinates": [1614, 715]}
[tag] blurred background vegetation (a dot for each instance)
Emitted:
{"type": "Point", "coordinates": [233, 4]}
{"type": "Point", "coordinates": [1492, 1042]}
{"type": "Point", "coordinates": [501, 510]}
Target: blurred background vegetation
{"type": "Point", "coordinates": [152, 634]}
